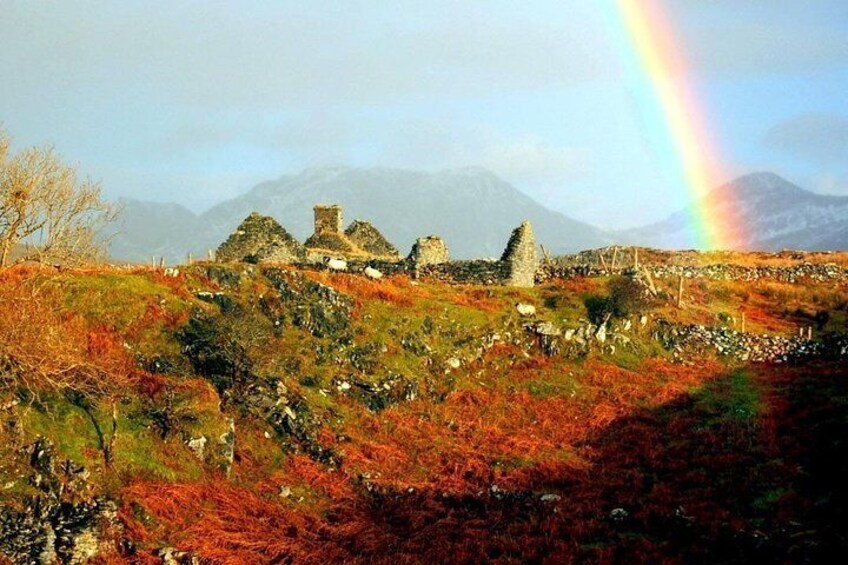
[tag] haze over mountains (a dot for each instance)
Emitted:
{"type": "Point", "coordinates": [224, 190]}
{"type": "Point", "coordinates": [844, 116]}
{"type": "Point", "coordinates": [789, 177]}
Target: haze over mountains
{"type": "Point", "coordinates": [472, 209]}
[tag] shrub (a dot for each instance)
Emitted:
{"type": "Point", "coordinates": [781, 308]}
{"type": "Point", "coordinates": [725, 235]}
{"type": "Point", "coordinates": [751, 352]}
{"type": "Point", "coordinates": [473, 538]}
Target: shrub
{"type": "Point", "coordinates": [43, 348]}
{"type": "Point", "coordinates": [624, 297]}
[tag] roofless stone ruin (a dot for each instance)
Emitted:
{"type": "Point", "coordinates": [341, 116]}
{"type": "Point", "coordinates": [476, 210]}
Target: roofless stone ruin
{"type": "Point", "coordinates": [521, 257]}
{"type": "Point", "coordinates": [262, 239]}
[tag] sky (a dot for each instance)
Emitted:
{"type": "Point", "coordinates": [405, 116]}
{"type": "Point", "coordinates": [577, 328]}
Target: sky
{"type": "Point", "coordinates": [196, 102]}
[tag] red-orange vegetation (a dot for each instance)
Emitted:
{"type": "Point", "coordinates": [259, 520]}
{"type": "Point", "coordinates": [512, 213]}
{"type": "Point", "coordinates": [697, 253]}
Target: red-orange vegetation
{"type": "Point", "coordinates": [225, 523]}
{"type": "Point", "coordinates": [47, 348]}
{"type": "Point", "coordinates": [395, 290]}
{"type": "Point", "coordinates": [477, 298]}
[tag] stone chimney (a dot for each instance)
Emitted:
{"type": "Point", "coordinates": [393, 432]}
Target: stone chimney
{"type": "Point", "coordinates": [328, 219]}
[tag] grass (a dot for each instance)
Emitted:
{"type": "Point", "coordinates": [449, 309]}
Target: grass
{"type": "Point", "coordinates": [699, 455]}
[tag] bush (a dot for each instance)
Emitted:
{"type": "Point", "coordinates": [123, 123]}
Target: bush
{"type": "Point", "coordinates": [624, 297]}
{"type": "Point", "coordinates": [44, 348]}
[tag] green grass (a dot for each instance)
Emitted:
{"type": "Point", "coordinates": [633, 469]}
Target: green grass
{"type": "Point", "coordinates": [733, 399]}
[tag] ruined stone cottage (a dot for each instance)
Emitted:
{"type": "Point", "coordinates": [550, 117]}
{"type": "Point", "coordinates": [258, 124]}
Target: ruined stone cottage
{"type": "Point", "coordinates": [516, 267]}
{"type": "Point", "coordinates": [360, 240]}
{"type": "Point", "coordinates": [258, 239]}
{"type": "Point", "coordinates": [369, 239]}
{"type": "Point", "coordinates": [430, 250]}
{"type": "Point", "coordinates": [361, 247]}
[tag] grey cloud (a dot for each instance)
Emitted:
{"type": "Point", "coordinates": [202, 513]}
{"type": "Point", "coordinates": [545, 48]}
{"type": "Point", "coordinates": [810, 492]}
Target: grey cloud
{"type": "Point", "coordinates": [229, 55]}
{"type": "Point", "coordinates": [821, 139]}
{"type": "Point", "coordinates": [742, 36]}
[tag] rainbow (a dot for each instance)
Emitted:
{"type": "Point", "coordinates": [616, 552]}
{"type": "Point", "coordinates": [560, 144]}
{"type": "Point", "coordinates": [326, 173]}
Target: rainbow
{"type": "Point", "coordinates": [676, 122]}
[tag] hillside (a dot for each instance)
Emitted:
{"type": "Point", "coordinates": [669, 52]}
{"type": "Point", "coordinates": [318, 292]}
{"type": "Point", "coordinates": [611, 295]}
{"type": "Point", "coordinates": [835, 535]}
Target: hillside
{"type": "Point", "coordinates": [472, 209]}
{"type": "Point", "coordinates": [774, 214]}
{"type": "Point", "coordinates": [264, 414]}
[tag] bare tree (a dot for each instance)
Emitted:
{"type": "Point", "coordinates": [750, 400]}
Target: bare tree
{"type": "Point", "coordinates": [46, 208]}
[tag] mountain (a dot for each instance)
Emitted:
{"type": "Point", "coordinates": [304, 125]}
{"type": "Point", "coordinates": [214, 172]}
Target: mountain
{"type": "Point", "coordinates": [147, 229]}
{"type": "Point", "coordinates": [772, 214]}
{"type": "Point", "coordinates": [472, 209]}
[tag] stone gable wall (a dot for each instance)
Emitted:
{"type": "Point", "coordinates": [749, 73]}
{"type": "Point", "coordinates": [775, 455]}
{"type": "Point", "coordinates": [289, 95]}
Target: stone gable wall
{"type": "Point", "coordinates": [366, 237]}
{"type": "Point", "coordinates": [521, 256]}
{"type": "Point", "coordinates": [260, 238]}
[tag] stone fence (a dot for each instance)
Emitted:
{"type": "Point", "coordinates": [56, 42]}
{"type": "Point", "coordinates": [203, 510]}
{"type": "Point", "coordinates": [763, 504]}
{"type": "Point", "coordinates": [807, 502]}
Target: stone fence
{"type": "Point", "coordinates": [726, 272]}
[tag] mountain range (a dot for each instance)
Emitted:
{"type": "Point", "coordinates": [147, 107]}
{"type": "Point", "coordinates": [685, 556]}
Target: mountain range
{"type": "Point", "coordinates": [769, 214]}
{"type": "Point", "coordinates": [473, 210]}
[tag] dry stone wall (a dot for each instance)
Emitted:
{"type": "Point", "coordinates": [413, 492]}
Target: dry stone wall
{"type": "Point", "coordinates": [814, 272]}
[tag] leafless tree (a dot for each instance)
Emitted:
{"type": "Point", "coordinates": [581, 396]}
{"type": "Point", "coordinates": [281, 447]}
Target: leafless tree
{"type": "Point", "coordinates": [48, 210]}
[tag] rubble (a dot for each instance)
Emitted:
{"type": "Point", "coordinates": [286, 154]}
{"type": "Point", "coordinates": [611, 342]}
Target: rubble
{"type": "Point", "coordinates": [755, 348]}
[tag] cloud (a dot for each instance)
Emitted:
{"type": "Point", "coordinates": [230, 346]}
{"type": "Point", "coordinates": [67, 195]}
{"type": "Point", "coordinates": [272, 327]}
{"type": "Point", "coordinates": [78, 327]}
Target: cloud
{"type": "Point", "coordinates": [532, 162]}
{"type": "Point", "coordinates": [290, 54]}
{"type": "Point", "coordinates": [830, 183]}
{"type": "Point", "coordinates": [761, 36]}
{"type": "Point", "coordinates": [821, 139]}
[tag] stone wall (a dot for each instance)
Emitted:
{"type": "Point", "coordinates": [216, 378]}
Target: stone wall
{"type": "Point", "coordinates": [430, 250]}
{"type": "Point", "coordinates": [813, 272]}
{"type": "Point", "coordinates": [521, 257]}
{"type": "Point", "coordinates": [367, 238]}
{"type": "Point", "coordinates": [480, 272]}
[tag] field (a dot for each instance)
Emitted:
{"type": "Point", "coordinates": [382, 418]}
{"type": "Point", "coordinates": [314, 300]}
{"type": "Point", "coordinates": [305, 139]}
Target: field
{"type": "Point", "coordinates": [259, 414]}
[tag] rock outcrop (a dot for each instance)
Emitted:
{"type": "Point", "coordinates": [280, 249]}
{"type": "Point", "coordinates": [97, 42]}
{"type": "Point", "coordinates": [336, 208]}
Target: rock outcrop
{"type": "Point", "coordinates": [261, 239]}
{"type": "Point", "coordinates": [521, 257]}
{"type": "Point", "coordinates": [60, 522]}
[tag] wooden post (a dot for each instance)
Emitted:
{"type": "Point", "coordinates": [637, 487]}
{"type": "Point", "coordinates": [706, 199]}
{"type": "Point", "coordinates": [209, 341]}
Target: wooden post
{"type": "Point", "coordinates": [614, 256]}
{"type": "Point", "coordinates": [650, 280]}
{"type": "Point", "coordinates": [547, 255]}
{"type": "Point", "coordinates": [210, 254]}
{"type": "Point", "coordinates": [603, 261]}
{"type": "Point", "coordinates": [161, 262]}
{"type": "Point", "coordinates": [679, 291]}
{"type": "Point", "coordinates": [810, 332]}
{"type": "Point", "coordinates": [743, 322]}
{"type": "Point", "coordinates": [189, 260]}
{"type": "Point", "coordinates": [636, 258]}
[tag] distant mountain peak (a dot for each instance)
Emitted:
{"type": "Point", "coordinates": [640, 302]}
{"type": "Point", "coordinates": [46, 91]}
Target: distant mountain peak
{"type": "Point", "coordinates": [760, 183]}
{"type": "Point", "coordinates": [770, 212]}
